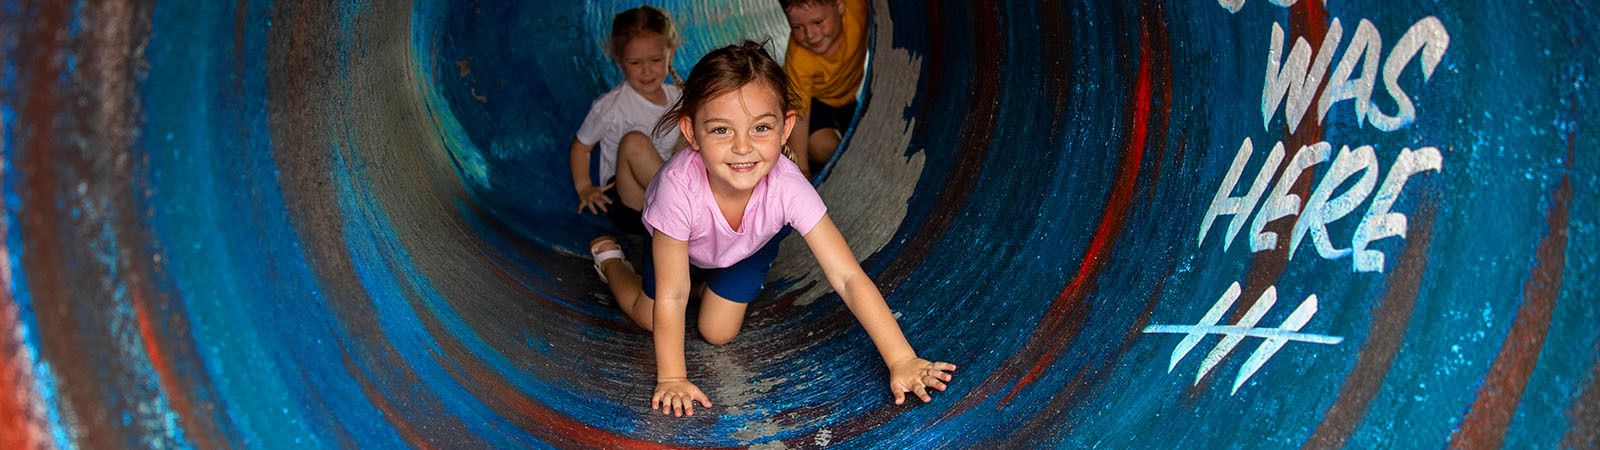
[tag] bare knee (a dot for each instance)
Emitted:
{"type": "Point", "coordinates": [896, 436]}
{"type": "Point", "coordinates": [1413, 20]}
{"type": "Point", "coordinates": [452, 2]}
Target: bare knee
{"type": "Point", "coordinates": [720, 318]}
{"type": "Point", "coordinates": [822, 143]}
{"type": "Point", "coordinates": [718, 337]}
{"type": "Point", "coordinates": [635, 144]}
{"type": "Point", "coordinates": [718, 333]}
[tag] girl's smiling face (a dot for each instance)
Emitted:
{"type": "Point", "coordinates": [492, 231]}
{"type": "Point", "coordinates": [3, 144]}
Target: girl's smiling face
{"type": "Point", "coordinates": [644, 62]}
{"type": "Point", "coordinates": [740, 136]}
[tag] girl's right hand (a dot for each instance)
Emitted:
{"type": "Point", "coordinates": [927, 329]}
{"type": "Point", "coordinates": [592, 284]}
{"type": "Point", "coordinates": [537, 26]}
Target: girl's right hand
{"type": "Point", "coordinates": [677, 396]}
{"type": "Point", "coordinates": [594, 198]}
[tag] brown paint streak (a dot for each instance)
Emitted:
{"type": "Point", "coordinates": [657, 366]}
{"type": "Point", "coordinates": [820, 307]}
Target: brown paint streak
{"type": "Point", "coordinates": [1389, 321]}
{"type": "Point", "coordinates": [19, 426]}
{"type": "Point", "coordinates": [1055, 36]}
{"type": "Point", "coordinates": [1489, 416]}
{"type": "Point", "coordinates": [41, 224]}
{"type": "Point", "coordinates": [1584, 414]}
{"type": "Point", "coordinates": [300, 137]}
{"type": "Point", "coordinates": [241, 9]}
{"type": "Point", "coordinates": [1161, 49]}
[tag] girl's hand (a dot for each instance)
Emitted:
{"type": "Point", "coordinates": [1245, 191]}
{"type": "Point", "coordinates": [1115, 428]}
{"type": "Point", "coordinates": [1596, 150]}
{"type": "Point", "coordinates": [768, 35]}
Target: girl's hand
{"type": "Point", "coordinates": [594, 198]}
{"type": "Point", "coordinates": [677, 396]}
{"type": "Point", "coordinates": [916, 375]}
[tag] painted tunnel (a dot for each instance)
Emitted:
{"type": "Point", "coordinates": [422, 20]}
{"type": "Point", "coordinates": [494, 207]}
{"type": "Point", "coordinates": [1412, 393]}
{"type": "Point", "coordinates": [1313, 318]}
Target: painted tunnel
{"type": "Point", "coordinates": [1133, 224]}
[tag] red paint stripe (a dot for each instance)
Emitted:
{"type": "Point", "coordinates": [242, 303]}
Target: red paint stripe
{"type": "Point", "coordinates": [17, 425]}
{"type": "Point", "coordinates": [168, 381]}
{"type": "Point", "coordinates": [1105, 232]}
{"type": "Point", "coordinates": [147, 334]}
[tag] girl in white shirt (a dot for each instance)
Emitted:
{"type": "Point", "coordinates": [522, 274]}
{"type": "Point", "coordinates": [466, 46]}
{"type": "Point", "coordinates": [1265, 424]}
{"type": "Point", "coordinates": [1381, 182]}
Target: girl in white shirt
{"type": "Point", "coordinates": [621, 121]}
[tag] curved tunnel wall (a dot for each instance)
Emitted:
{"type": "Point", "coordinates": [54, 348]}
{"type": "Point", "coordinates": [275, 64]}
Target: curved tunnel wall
{"type": "Point", "coordinates": [279, 225]}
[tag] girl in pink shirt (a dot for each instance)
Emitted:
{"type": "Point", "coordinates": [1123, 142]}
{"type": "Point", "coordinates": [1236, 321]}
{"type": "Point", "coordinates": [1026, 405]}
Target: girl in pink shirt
{"type": "Point", "coordinates": [722, 208]}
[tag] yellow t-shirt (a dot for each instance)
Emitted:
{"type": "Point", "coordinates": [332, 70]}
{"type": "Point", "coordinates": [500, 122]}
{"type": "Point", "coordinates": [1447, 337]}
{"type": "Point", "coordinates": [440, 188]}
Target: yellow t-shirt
{"type": "Point", "coordinates": [832, 79]}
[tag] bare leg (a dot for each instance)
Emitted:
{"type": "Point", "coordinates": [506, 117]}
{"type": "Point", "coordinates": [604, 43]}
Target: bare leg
{"type": "Point", "coordinates": [822, 143]}
{"type": "Point", "coordinates": [637, 163]}
{"type": "Point", "coordinates": [720, 318]}
{"type": "Point", "coordinates": [625, 286]}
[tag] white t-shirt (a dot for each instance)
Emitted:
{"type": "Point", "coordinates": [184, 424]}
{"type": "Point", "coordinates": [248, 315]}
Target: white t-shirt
{"type": "Point", "coordinates": [623, 110]}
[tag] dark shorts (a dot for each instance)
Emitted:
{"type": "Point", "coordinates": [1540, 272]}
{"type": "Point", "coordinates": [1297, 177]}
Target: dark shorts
{"type": "Point", "coordinates": [626, 219]}
{"type": "Point", "coordinates": [739, 282]}
{"type": "Point", "coordinates": [824, 116]}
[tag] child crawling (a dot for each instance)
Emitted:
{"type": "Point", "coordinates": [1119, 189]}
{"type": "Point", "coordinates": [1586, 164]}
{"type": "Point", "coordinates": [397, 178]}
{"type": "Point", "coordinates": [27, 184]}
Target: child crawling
{"type": "Point", "coordinates": [722, 209]}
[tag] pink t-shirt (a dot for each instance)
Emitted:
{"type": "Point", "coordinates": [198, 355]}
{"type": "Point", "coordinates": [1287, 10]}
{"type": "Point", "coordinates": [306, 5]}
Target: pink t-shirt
{"type": "Point", "coordinates": [679, 204]}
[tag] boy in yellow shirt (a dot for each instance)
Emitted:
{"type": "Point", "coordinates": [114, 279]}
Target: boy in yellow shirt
{"type": "Point", "coordinates": [825, 61]}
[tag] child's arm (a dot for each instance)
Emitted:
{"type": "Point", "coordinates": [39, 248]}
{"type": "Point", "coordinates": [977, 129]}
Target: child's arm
{"type": "Point", "coordinates": [907, 372]}
{"type": "Point", "coordinates": [674, 393]}
{"type": "Point", "coordinates": [589, 196]}
{"type": "Point", "coordinates": [800, 132]}
{"type": "Point", "coordinates": [800, 141]}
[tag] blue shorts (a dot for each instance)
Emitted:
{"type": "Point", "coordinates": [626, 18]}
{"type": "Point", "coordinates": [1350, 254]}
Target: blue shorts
{"type": "Point", "coordinates": [739, 282]}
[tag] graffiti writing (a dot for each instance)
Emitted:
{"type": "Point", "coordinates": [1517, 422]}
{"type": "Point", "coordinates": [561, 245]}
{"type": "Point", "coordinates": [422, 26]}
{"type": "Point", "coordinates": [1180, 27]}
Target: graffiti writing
{"type": "Point", "coordinates": [1296, 77]}
{"type": "Point", "coordinates": [1273, 338]}
{"type": "Point", "coordinates": [1292, 82]}
{"type": "Point", "coordinates": [1297, 82]}
{"type": "Point", "coordinates": [1323, 207]}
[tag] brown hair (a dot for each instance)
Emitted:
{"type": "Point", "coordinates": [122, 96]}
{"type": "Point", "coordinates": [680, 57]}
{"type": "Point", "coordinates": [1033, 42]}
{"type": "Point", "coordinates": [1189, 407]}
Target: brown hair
{"type": "Point", "coordinates": [725, 70]}
{"type": "Point", "coordinates": [786, 4]}
{"type": "Point", "coordinates": [638, 21]}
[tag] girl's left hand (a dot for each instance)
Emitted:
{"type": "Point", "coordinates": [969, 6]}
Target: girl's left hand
{"type": "Point", "coordinates": [916, 375]}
